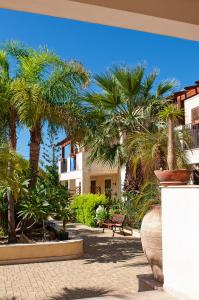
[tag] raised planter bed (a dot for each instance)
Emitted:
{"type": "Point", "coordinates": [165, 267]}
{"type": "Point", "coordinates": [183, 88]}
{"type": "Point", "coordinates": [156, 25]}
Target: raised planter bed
{"type": "Point", "coordinates": [41, 252]}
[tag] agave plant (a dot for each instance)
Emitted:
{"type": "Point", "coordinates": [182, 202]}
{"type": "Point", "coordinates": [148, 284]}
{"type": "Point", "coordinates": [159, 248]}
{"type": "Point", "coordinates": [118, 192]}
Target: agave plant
{"type": "Point", "coordinates": [171, 114]}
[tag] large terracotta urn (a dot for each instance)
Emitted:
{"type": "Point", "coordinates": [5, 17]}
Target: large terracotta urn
{"type": "Point", "coordinates": [151, 236]}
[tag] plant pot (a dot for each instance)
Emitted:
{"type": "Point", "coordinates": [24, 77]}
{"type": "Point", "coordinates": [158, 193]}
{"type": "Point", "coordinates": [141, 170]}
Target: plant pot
{"type": "Point", "coordinates": [151, 237]}
{"type": "Point", "coordinates": [173, 177]}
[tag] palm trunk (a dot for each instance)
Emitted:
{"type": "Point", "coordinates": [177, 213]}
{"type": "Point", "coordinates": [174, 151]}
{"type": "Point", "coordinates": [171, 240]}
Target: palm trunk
{"type": "Point", "coordinates": [11, 205]}
{"type": "Point", "coordinates": [12, 129]}
{"type": "Point", "coordinates": [11, 213]}
{"type": "Point", "coordinates": [171, 151]}
{"type": "Point", "coordinates": [35, 141]}
{"type": "Point", "coordinates": [64, 225]}
{"type": "Point", "coordinates": [133, 182]}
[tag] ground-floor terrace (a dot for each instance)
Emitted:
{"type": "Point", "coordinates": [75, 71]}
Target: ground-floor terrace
{"type": "Point", "coordinates": [109, 268]}
{"type": "Point", "coordinates": [108, 184]}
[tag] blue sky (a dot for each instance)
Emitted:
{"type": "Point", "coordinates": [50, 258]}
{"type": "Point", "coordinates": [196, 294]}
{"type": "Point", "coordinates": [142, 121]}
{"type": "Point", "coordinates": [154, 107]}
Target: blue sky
{"type": "Point", "coordinates": [98, 47]}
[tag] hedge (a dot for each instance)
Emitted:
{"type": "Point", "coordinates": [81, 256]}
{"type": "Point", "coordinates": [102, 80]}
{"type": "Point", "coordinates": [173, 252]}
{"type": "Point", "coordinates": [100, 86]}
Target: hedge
{"type": "Point", "coordinates": [84, 207]}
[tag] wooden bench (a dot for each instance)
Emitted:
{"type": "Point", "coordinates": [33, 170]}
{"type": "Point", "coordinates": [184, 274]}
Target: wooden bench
{"type": "Point", "coordinates": [117, 221]}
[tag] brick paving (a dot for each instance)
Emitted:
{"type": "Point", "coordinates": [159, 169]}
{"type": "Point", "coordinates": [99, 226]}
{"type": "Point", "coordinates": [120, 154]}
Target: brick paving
{"type": "Point", "coordinates": [109, 267]}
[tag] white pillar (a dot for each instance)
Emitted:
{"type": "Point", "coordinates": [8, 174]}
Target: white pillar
{"type": "Point", "coordinates": [180, 237]}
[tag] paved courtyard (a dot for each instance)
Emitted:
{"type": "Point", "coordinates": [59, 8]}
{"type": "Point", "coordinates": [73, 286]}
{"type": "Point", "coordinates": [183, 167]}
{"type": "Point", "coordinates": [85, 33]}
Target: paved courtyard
{"type": "Point", "coordinates": [109, 267]}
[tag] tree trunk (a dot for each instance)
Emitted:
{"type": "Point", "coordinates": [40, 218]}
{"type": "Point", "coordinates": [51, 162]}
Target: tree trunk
{"type": "Point", "coordinates": [35, 141]}
{"type": "Point", "coordinates": [171, 150]}
{"type": "Point", "coordinates": [11, 213]}
{"type": "Point", "coordinates": [12, 129]}
{"type": "Point", "coordinates": [133, 182]}
{"type": "Point", "coordinates": [11, 205]}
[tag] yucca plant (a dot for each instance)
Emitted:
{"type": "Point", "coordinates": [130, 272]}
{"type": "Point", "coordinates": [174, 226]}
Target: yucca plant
{"type": "Point", "coordinates": [171, 114]}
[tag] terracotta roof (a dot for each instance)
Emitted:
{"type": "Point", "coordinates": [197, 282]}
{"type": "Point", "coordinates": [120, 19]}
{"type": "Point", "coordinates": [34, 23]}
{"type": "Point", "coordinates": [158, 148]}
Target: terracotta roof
{"type": "Point", "coordinates": [188, 92]}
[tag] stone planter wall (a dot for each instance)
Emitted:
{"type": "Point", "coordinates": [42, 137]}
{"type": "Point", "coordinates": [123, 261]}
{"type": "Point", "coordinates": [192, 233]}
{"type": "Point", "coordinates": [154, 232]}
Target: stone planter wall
{"type": "Point", "coordinates": [46, 251]}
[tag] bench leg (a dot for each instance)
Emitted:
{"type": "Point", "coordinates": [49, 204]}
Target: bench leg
{"type": "Point", "coordinates": [114, 229]}
{"type": "Point", "coordinates": [123, 231]}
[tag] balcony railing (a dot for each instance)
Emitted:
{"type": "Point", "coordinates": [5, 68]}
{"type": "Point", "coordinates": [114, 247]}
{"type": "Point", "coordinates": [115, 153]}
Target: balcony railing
{"type": "Point", "coordinates": [193, 130]}
{"type": "Point", "coordinates": [63, 165]}
{"type": "Point", "coordinates": [68, 164]}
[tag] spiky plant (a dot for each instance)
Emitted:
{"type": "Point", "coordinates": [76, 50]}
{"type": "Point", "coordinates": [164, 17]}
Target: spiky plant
{"type": "Point", "coordinates": [126, 94]}
{"type": "Point", "coordinates": [171, 114]}
{"type": "Point", "coordinates": [43, 94]}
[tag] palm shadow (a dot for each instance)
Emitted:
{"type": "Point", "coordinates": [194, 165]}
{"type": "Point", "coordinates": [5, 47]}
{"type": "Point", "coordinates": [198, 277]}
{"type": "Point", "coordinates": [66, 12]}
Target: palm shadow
{"type": "Point", "coordinates": [110, 249]}
{"type": "Point", "coordinates": [80, 293]}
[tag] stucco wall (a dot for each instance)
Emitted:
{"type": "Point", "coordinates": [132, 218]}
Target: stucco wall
{"type": "Point", "coordinates": [96, 168]}
{"type": "Point", "coordinates": [180, 225]}
{"type": "Point", "coordinates": [41, 251]}
{"type": "Point", "coordinates": [189, 104]}
{"type": "Point", "coordinates": [193, 156]}
{"type": "Point", "coordinates": [100, 181]}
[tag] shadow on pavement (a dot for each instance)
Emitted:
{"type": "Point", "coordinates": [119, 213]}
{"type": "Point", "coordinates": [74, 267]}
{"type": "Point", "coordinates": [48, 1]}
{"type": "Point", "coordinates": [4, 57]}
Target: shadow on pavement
{"type": "Point", "coordinates": [110, 249]}
{"type": "Point", "coordinates": [80, 293]}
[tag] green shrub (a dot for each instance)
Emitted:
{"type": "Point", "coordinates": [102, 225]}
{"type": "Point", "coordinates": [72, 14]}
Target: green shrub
{"type": "Point", "coordinates": [3, 232]}
{"type": "Point", "coordinates": [85, 206]}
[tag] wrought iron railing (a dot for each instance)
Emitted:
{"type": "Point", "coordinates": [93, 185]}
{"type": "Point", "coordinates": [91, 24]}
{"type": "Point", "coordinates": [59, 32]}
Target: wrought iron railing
{"type": "Point", "coordinates": [193, 130]}
{"type": "Point", "coordinates": [63, 165]}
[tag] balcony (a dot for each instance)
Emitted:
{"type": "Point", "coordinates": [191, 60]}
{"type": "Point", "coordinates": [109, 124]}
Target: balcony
{"type": "Point", "coordinates": [193, 130]}
{"type": "Point", "coordinates": [63, 165]}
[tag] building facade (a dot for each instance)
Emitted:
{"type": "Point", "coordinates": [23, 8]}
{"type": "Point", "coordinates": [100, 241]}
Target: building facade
{"type": "Point", "coordinates": [188, 100]}
{"type": "Point", "coordinates": [81, 177]}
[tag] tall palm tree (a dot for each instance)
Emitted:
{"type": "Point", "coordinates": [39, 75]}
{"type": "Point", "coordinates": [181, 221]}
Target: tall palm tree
{"type": "Point", "coordinates": [125, 106]}
{"type": "Point", "coordinates": [8, 112]}
{"type": "Point", "coordinates": [15, 49]}
{"type": "Point", "coordinates": [43, 93]}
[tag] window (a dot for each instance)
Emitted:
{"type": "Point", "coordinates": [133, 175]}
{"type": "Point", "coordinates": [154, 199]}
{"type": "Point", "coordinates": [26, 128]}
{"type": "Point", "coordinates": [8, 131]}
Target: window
{"type": "Point", "coordinates": [195, 115]}
{"type": "Point", "coordinates": [93, 186]}
{"type": "Point", "coordinates": [108, 188]}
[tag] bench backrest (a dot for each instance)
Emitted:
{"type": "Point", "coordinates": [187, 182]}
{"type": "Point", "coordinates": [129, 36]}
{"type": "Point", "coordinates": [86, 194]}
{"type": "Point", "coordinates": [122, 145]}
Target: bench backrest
{"type": "Point", "coordinates": [118, 218]}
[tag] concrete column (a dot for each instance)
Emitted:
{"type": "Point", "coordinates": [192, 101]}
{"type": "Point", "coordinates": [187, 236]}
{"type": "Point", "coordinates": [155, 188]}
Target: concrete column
{"type": "Point", "coordinates": [85, 183]}
{"type": "Point", "coordinates": [180, 237]}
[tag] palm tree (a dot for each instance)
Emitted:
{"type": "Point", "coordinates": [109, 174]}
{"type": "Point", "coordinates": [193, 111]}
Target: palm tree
{"type": "Point", "coordinates": [8, 112]}
{"type": "Point", "coordinates": [160, 148]}
{"type": "Point", "coordinates": [126, 103]}
{"type": "Point", "coordinates": [43, 93]}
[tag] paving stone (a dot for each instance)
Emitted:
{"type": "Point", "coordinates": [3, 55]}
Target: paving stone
{"type": "Point", "coordinates": [108, 268]}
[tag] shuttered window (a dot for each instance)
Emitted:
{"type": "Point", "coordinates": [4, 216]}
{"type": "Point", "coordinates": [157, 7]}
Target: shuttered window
{"type": "Point", "coordinates": [195, 115]}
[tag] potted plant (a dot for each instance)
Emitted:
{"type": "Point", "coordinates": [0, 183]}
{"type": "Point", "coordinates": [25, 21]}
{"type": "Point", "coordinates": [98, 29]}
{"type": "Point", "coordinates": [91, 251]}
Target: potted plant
{"type": "Point", "coordinates": [172, 176]}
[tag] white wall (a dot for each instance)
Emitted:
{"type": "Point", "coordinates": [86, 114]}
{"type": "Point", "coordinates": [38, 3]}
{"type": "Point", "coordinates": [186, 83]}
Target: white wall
{"type": "Point", "coordinates": [193, 156]}
{"type": "Point", "coordinates": [189, 104]}
{"type": "Point", "coordinates": [97, 168]}
{"type": "Point", "coordinates": [180, 234]}
{"type": "Point", "coordinates": [79, 161]}
{"type": "Point", "coordinates": [122, 176]}
{"type": "Point", "coordinates": [70, 175]}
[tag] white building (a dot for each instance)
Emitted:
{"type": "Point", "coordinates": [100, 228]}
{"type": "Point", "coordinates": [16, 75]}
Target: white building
{"type": "Point", "coordinates": [81, 178]}
{"type": "Point", "coordinates": [188, 99]}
